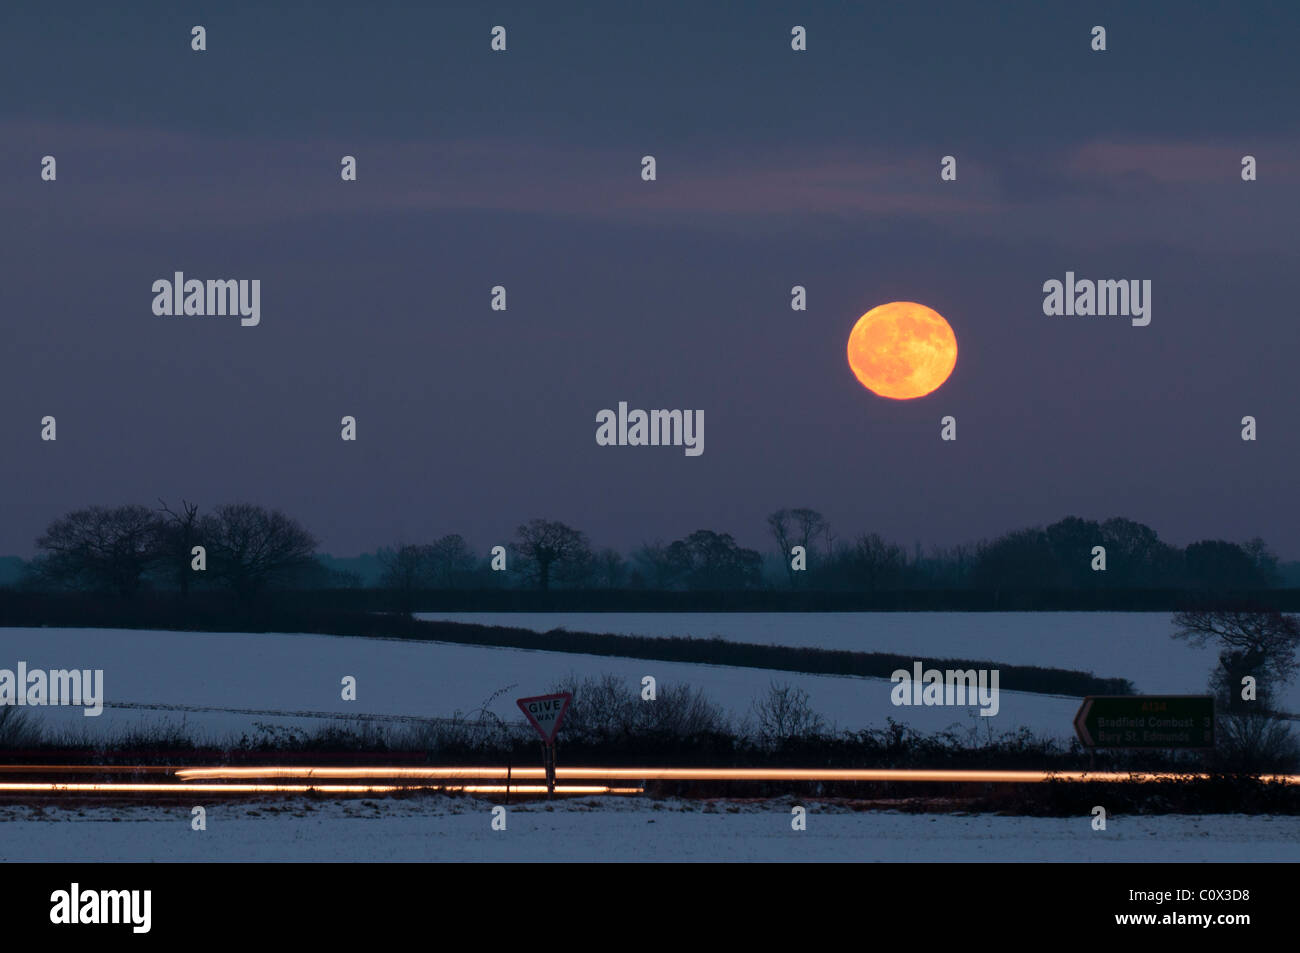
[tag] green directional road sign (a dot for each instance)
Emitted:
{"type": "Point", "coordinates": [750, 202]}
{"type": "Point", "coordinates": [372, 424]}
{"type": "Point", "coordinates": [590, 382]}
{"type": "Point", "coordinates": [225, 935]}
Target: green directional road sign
{"type": "Point", "coordinates": [1146, 721]}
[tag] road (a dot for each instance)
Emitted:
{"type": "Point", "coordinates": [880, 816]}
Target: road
{"type": "Point", "coordinates": [383, 779]}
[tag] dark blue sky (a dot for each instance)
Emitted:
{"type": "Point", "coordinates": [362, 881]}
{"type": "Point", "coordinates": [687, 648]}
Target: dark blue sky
{"type": "Point", "coordinates": [775, 168]}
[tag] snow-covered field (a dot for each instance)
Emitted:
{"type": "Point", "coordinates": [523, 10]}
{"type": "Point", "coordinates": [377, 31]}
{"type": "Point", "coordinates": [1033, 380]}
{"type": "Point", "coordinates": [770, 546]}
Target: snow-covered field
{"type": "Point", "coordinates": [181, 674]}
{"type": "Point", "coordinates": [1133, 645]}
{"type": "Point", "coordinates": [218, 686]}
{"type": "Point", "coordinates": [440, 828]}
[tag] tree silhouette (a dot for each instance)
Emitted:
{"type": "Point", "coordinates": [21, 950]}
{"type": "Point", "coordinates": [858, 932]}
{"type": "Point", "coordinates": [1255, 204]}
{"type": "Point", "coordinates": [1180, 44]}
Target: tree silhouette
{"type": "Point", "coordinates": [178, 534]}
{"type": "Point", "coordinates": [709, 560]}
{"type": "Point", "coordinates": [100, 548]}
{"type": "Point", "coordinates": [870, 564]}
{"type": "Point", "coordinates": [1259, 644]}
{"type": "Point", "coordinates": [251, 548]}
{"type": "Point", "coordinates": [1214, 564]}
{"type": "Point", "coordinates": [552, 551]}
{"type": "Point", "coordinates": [796, 527]}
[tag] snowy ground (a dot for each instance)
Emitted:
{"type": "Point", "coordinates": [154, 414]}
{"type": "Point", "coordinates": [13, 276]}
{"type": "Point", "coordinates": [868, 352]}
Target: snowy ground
{"type": "Point", "coordinates": [251, 677]}
{"type": "Point", "coordinates": [439, 828]}
{"type": "Point", "coordinates": [1134, 645]}
{"type": "Point", "coordinates": [218, 686]}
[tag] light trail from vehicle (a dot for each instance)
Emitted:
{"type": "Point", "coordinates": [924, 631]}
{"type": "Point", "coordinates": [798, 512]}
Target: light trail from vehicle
{"type": "Point", "coordinates": [706, 774]}
{"type": "Point", "coordinates": [471, 779]}
{"type": "Point", "coordinates": [124, 787]}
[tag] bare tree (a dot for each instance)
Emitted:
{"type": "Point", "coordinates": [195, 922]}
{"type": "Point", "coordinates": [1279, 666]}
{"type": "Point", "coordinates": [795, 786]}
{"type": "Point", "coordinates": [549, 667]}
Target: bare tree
{"type": "Point", "coordinates": [872, 563]}
{"type": "Point", "coordinates": [655, 566]}
{"type": "Point", "coordinates": [609, 708]}
{"type": "Point", "coordinates": [808, 525]}
{"type": "Point", "coordinates": [796, 527]}
{"type": "Point", "coordinates": [100, 548]}
{"type": "Point", "coordinates": [785, 714]}
{"type": "Point", "coordinates": [779, 523]}
{"type": "Point", "coordinates": [1251, 735]}
{"type": "Point", "coordinates": [17, 728]}
{"type": "Point", "coordinates": [709, 560]}
{"type": "Point", "coordinates": [680, 710]}
{"type": "Point", "coordinates": [440, 565]}
{"type": "Point", "coordinates": [251, 548]}
{"type": "Point", "coordinates": [1217, 565]}
{"type": "Point", "coordinates": [178, 534]}
{"type": "Point", "coordinates": [1265, 561]}
{"type": "Point", "coordinates": [552, 551]}
{"type": "Point", "coordinates": [406, 568]}
{"type": "Point", "coordinates": [602, 707]}
{"type": "Point", "coordinates": [1256, 742]}
{"type": "Point", "coordinates": [610, 570]}
{"type": "Point", "coordinates": [1259, 644]}
{"type": "Point", "coordinates": [450, 559]}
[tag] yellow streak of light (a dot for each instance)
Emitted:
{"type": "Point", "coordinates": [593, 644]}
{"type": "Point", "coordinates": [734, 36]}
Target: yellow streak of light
{"type": "Point", "coordinates": [381, 779]}
{"type": "Point", "coordinates": [86, 769]}
{"type": "Point", "coordinates": [707, 774]}
{"type": "Point", "coordinates": [110, 787]}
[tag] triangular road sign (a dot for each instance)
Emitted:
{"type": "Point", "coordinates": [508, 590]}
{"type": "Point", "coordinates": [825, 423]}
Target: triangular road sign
{"type": "Point", "coordinates": [545, 712]}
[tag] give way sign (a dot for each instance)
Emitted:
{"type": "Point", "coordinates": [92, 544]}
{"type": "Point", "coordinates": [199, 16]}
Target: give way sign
{"type": "Point", "coordinates": [545, 712]}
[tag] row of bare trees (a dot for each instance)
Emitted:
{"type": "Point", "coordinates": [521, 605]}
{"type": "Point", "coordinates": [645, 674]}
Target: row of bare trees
{"type": "Point", "coordinates": [1060, 556]}
{"type": "Point", "coordinates": [546, 552]}
{"type": "Point", "coordinates": [122, 549]}
{"type": "Point", "coordinates": [249, 548]}
{"type": "Point", "coordinates": [549, 554]}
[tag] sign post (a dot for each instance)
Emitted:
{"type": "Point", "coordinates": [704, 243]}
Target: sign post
{"type": "Point", "coordinates": [1146, 721]}
{"type": "Point", "coordinates": [545, 713]}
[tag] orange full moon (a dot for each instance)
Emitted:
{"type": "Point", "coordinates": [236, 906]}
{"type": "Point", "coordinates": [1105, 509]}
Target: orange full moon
{"type": "Point", "coordinates": [902, 350]}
